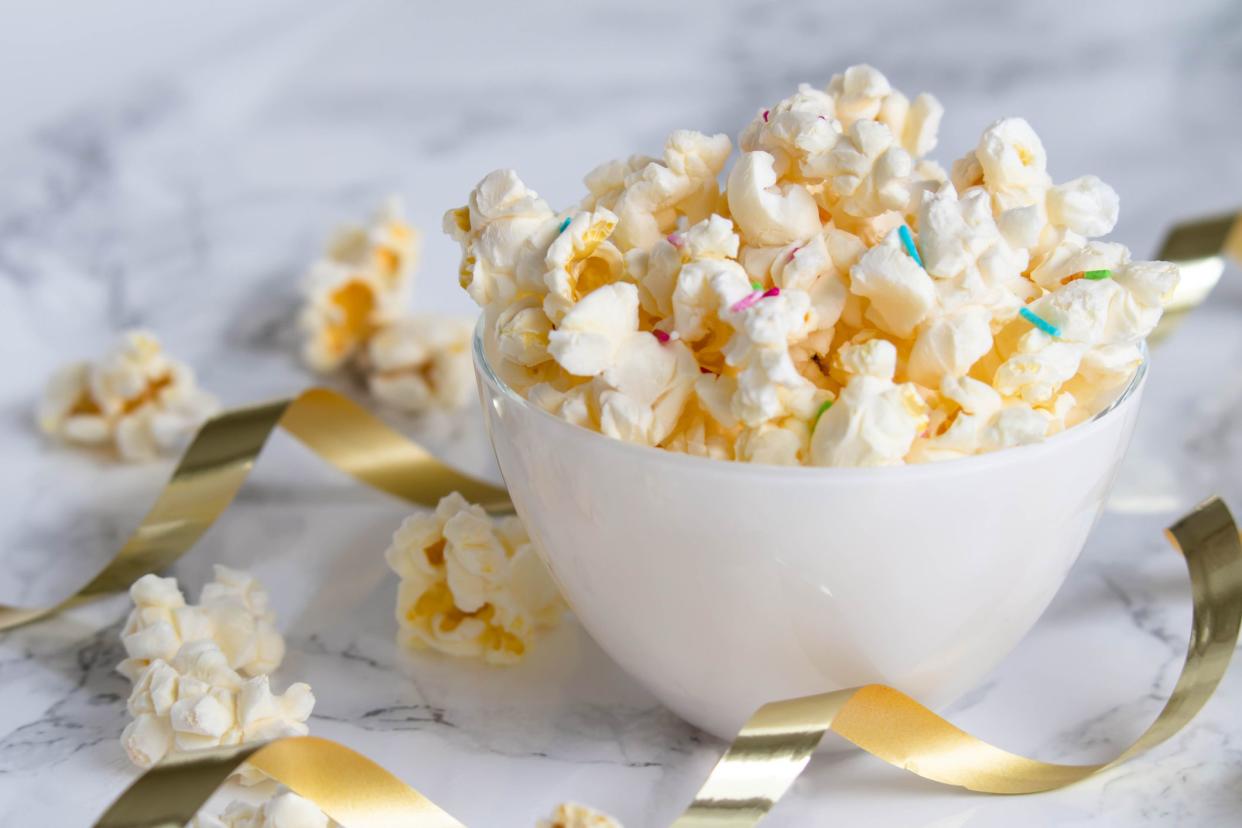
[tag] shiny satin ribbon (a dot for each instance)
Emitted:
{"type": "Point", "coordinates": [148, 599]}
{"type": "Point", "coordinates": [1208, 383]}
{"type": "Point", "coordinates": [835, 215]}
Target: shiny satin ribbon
{"type": "Point", "coordinates": [774, 745]}
{"type": "Point", "coordinates": [1200, 248]}
{"type": "Point", "coordinates": [220, 457]}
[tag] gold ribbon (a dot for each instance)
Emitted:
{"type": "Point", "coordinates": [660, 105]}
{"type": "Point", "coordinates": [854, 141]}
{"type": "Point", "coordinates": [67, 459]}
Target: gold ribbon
{"type": "Point", "coordinates": [1200, 248]}
{"type": "Point", "coordinates": [222, 454]}
{"type": "Point", "coordinates": [775, 744]}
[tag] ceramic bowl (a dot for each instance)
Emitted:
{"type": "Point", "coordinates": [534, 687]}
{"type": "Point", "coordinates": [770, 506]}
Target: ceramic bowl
{"type": "Point", "coordinates": [722, 586]}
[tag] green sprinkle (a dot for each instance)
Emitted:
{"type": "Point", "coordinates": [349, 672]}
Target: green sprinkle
{"type": "Point", "coordinates": [827, 405]}
{"type": "Point", "coordinates": [1039, 322]}
{"type": "Point", "coordinates": [756, 286]}
{"type": "Point", "coordinates": [1096, 275]}
{"type": "Point", "coordinates": [564, 224]}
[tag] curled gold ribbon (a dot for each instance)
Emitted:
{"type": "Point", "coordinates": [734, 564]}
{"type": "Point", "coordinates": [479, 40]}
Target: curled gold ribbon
{"type": "Point", "coordinates": [220, 457]}
{"type": "Point", "coordinates": [1200, 248]}
{"type": "Point", "coordinates": [775, 744]}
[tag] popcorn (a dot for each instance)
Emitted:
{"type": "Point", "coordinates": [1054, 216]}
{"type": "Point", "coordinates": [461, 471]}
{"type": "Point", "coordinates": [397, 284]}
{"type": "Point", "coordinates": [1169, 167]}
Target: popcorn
{"type": "Point", "coordinates": [843, 300]}
{"type": "Point", "coordinates": [284, 809]}
{"type": "Point", "coordinates": [136, 398]}
{"type": "Point", "coordinates": [470, 586]}
{"type": "Point", "coordinates": [573, 815]}
{"type": "Point", "coordinates": [232, 612]}
{"type": "Point", "coordinates": [421, 363]}
{"type": "Point", "coordinates": [360, 285]}
{"type": "Point", "coordinates": [198, 701]}
{"type": "Point", "coordinates": [766, 212]}
{"type": "Point", "coordinates": [874, 421]}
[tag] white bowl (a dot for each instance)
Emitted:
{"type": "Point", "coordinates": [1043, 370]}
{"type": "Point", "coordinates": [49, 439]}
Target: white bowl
{"type": "Point", "coordinates": [722, 586]}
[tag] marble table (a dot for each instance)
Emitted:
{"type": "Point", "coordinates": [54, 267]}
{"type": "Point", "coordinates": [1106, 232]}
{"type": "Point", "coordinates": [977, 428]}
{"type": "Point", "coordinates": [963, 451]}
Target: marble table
{"type": "Point", "coordinates": [189, 192]}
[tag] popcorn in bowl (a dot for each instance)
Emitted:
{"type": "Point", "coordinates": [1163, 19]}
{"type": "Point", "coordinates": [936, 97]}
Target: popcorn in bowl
{"type": "Point", "coordinates": [136, 398]}
{"type": "Point", "coordinates": [842, 301]}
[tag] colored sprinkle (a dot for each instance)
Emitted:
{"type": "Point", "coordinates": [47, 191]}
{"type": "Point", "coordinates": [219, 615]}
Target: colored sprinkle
{"type": "Point", "coordinates": [907, 241]}
{"type": "Point", "coordinates": [823, 117]}
{"type": "Point", "coordinates": [827, 405]}
{"type": "Point", "coordinates": [703, 370]}
{"type": "Point", "coordinates": [765, 115]}
{"type": "Point", "coordinates": [676, 240]}
{"type": "Point", "coordinates": [1039, 322]}
{"type": "Point", "coordinates": [751, 298]}
{"type": "Point", "coordinates": [660, 335]}
{"type": "Point", "coordinates": [1096, 275]}
{"type": "Point", "coordinates": [793, 253]}
{"type": "Point", "coordinates": [564, 224]}
{"type": "Point", "coordinates": [756, 285]}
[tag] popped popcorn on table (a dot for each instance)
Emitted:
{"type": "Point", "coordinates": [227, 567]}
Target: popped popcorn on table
{"type": "Point", "coordinates": [197, 701]}
{"type": "Point", "coordinates": [355, 315]}
{"type": "Point", "coordinates": [284, 809]}
{"type": "Point", "coordinates": [843, 300]}
{"type": "Point", "coordinates": [470, 585]}
{"type": "Point", "coordinates": [136, 398]}
{"type": "Point", "coordinates": [232, 612]}
{"type": "Point", "coordinates": [573, 815]}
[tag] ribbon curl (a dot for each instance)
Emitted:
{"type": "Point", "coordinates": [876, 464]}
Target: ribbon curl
{"type": "Point", "coordinates": [772, 748]}
{"type": "Point", "coordinates": [220, 457]}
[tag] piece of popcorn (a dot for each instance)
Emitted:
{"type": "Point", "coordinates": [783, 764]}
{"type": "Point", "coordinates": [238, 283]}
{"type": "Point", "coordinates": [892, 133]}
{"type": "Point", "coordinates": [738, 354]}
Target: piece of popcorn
{"type": "Point", "coordinates": [1013, 163]}
{"type": "Point", "coordinates": [1085, 205]}
{"type": "Point", "coordinates": [421, 363]}
{"type": "Point", "coordinates": [362, 282]}
{"type": "Point", "coordinates": [198, 701]}
{"type": "Point", "coordinates": [470, 586]}
{"type": "Point", "coordinates": [579, 261]}
{"type": "Point", "coordinates": [589, 337]}
{"type": "Point", "coordinates": [502, 222]}
{"type": "Point", "coordinates": [869, 172]}
{"type": "Point", "coordinates": [136, 398]}
{"type": "Point", "coordinates": [573, 815]}
{"type": "Point", "coordinates": [914, 124]}
{"type": "Point", "coordinates": [642, 395]}
{"type": "Point", "coordinates": [654, 194]}
{"type": "Point", "coordinates": [785, 442]}
{"type": "Point", "coordinates": [284, 809]}
{"type": "Point", "coordinates": [768, 213]}
{"type": "Point", "coordinates": [858, 93]}
{"type": "Point", "coordinates": [232, 612]}
{"type": "Point", "coordinates": [950, 345]}
{"type": "Point", "coordinates": [873, 422]}
{"type": "Point", "coordinates": [797, 133]}
{"type": "Point", "coordinates": [901, 293]}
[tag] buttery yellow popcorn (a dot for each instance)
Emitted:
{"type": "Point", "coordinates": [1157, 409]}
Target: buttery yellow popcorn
{"type": "Point", "coordinates": [135, 398]}
{"type": "Point", "coordinates": [573, 815]}
{"type": "Point", "coordinates": [842, 300]}
{"type": "Point", "coordinates": [362, 283]}
{"type": "Point", "coordinates": [470, 586]}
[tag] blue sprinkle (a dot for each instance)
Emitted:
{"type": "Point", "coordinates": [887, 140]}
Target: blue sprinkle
{"type": "Point", "coordinates": [908, 241]}
{"type": "Point", "coordinates": [564, 224]}
{"type": "Point", "coordinates": [1039, 322]}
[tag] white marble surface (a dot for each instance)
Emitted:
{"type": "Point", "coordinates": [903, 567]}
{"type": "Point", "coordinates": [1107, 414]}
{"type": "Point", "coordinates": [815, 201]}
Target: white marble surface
{"type": "Point", "coordinates": [180, 176]}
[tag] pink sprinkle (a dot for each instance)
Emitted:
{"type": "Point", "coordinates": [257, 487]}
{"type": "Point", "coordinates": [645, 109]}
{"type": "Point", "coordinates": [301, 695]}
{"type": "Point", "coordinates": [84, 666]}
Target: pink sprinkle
{"type": "Point", "coordinates": [765, 115]}
{"type": "Point", "coordinates": [751, 298]}
{"type": "Point", "coordinates": [794, 252]}
{"type": "Point", "coordinates": [660, 335]}
{"type": "Point", "coordinates": [703, 370]}
{"type": "Point", "coordinates": [676, 240]}
{"type": "Point", "coordinates": [822, 118]}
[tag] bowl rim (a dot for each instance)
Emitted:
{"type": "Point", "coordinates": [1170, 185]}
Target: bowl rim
{"type": "Point", "coordinates": [975, 462]}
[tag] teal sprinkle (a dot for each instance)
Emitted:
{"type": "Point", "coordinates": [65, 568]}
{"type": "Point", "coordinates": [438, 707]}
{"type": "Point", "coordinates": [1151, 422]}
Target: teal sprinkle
{"type": "Point", "coordinates": [1096, 275]}
{"type": "Point", "coordinates": [1039, 322]}
{"type": "Point", "coordinates": [908, 241]}
{"type": "Point", "coordinates": [827, 405]}
{"type": "Point", "coordinates": [564, 224]}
